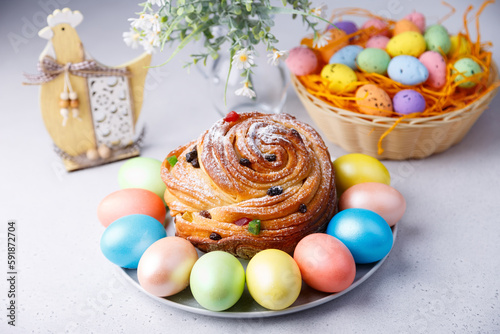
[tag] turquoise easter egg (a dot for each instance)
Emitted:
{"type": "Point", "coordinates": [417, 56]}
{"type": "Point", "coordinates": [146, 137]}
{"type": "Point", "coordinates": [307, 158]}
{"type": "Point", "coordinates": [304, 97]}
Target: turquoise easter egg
{"type": "Point", "coordinates": [365, 233]}
{"type": "Point", "coordinates": [126, 239]}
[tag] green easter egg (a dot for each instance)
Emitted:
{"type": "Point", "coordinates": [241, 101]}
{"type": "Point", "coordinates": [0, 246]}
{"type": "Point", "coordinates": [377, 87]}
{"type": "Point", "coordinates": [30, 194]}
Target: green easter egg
{"type": "Point", "coordinates": [466, 67]}
{"type": "Point", "coordinates": [217, 280]}
{"type": "Point", "coordinates": [373, 60]}
{"type": "Point", "coordinates": [437, 39]}
{"type": "Point", "coordinates": [142, 173]}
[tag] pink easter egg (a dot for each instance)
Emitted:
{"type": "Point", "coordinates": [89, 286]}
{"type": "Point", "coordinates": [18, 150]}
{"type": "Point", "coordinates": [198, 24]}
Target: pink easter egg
{"type": "Point", "coordinates": [418, 19]}
{"type": "Point", "coordinates": [302, 61]}
{"type": "Point", "coordinates": [378, 27]}
{"type": "Point", "coordinates": [379, 42]}
{"type": "Point", "coordinates": [436, 65]}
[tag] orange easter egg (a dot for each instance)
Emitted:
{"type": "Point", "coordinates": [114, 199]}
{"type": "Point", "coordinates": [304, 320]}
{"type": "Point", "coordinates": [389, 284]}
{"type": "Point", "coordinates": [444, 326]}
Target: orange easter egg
{"type": "Point", "coordinates": [403, 26]}
{"type": "Point", "coordinates": [130, 201]}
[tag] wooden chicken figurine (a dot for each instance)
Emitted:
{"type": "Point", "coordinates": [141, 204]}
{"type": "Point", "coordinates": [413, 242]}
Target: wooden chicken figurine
{"type": "Point", "coordinates": [90, 110]}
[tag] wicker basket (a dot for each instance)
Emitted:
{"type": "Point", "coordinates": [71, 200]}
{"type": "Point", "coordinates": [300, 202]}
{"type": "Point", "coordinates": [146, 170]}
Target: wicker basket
{"type": "Point", "coordinates": [412, 138]}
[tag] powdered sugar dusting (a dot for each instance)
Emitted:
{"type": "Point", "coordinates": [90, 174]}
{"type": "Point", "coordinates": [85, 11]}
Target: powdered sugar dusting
{"type": "Point", "coordinates": [230, 190]}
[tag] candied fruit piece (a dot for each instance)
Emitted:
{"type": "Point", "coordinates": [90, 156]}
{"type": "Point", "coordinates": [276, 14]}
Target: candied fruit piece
{"type": "Point", "coordinates": [172, 160]}
{"type": "Point", "coordinates": [254, 226]}
{"type": "Point", "coordinates": [233, 116]}
{"type": "Point", "coordinates": [242, 221]}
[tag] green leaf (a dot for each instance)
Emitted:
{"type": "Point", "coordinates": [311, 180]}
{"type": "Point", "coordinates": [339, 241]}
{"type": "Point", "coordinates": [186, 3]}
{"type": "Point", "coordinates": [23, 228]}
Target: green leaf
{"type": "Point", "coordinates": [184, 42]}
{"type": "Point", "coordinates": [180, 11]}
{"type": "Point", "coordinates": [231, 55]}
{"type": "Point", "coordinates": [279, 10]}
{"type": "Point", "coordinates": [171, 28]}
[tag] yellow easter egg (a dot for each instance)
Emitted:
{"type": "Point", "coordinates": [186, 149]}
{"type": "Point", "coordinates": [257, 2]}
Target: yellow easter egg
{"type": "Point", "coordinates": [403, 26]}
{"type": "Point", "coordinates": [340, 76]}
{"type": "Point", "coordinates": [459, 46]}
{"type": "Point", "coordinates": [409, 43]}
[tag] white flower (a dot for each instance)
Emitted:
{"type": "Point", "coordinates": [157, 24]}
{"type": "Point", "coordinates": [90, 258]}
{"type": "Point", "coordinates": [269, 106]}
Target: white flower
{"type": "Point", "coordinates": [151, 41]}
{"type": "Point", "coordinates": [276, 56]}
{"type": "Point", "coordinates": [322, 40]}
{"type": "Point", "coordinates": [153, 38]}
{"type": "Point", "coordinates": [159, 3]}
{"type": "Point", "coordinates": [140, 23]}
{"type": "Point", "coordinates": [148, 47]}
{"type": "Point", "coordinates": [319, 11]}
{"type": "Point", "coordinates": [155, 23]}
{"type": "Point", "coordinates": [131, 38]}
{"type": "Point", "coordinates": [146, 22]}
{"type": "Point", "coordinates": [245, 91]}
{"type": "Point", "coordinates": [243, 59]}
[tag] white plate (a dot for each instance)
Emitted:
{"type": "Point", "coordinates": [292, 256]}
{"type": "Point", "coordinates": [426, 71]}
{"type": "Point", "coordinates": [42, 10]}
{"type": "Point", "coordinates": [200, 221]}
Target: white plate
{"type": "Point", "coordinates": [246, 307]}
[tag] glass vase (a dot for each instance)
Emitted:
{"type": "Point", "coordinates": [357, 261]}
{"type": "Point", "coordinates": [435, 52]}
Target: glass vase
{"type": "Point", "coordinates": [269, 83]}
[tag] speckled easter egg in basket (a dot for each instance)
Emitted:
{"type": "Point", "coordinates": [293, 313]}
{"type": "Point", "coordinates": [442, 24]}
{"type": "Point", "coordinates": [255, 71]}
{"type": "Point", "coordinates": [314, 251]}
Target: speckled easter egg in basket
{"type": "Point", "coordinates": [373, 100]}
{"type": "Point", "coordinates": [302, 61]}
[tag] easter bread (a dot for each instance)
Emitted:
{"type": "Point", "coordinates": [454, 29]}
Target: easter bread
{"type": "Point", "coordinates": [249, 183]}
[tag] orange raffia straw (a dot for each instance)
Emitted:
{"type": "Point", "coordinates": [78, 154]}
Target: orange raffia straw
{"type": "Point", "coordinates": [447, 99]}
{"type": "Point", "coordinates": [450, 14]}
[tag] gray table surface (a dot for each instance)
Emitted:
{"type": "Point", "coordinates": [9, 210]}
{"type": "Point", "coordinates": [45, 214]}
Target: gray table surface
{"type": "Point", "coordinates": [441, 276]}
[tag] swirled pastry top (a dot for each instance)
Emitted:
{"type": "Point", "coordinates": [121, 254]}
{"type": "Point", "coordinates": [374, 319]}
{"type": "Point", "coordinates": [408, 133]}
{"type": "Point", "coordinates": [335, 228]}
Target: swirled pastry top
{"type": "Point", "coordinates": [273, 168]}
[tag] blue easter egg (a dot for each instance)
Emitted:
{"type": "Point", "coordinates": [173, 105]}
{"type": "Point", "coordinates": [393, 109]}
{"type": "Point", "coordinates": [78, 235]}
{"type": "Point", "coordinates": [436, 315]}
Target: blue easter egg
{"type": "Point", "coordinates": [127, 238]}
{"type": "Point", "coordinates": [365, 233]}
{"type": "Point", "coordinates": [347, 56]}
{"type": "Point", "coordinates": [407, 70]}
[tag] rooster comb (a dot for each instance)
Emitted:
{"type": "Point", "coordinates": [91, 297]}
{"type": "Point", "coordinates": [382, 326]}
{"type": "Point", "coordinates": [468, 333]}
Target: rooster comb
{"type": "Point", "coordinates": [65, 16]}
{"type": "Point", "coordinates": [73, 18]}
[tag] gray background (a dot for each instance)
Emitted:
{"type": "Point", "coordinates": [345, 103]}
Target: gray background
{"type": "Point", "coordinates": [441, 276]}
